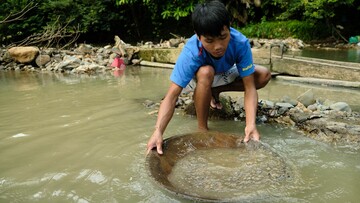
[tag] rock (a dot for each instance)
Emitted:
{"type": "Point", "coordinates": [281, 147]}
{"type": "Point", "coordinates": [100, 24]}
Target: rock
{"type": "Point", "coordinates": [226, 112]}
{"type": "Point", "coordinates": [331, 130]}
{"type": "Point", "coordinates": [273, 113]}
{"type": "Point", "coordinates": [49, 51]}
{"type": "Point", "coordinates": [282, 110]}
{"type": "Point", "coordinates": [328, 102]}
{"type": "Point", "coordinates": [6, 57]}
{"type": "Point", "coordinates": [86, 68]}
{"type": "Point", "coordinates": [149, 104]}
{"type": "Point", "coordinates": [136, 61]}
{"type": "Point", "coordinates": [130, 51]}
{"type": "Point", "coordinates": [238, 104]}
{"type": "Point", "coordinates": [321, 107]}
{"type": "Point", "coordinates": [227, 106]}
{"type": "Point", "coordinates": [190, 109]}
{"type": "Point", "coordinates": [85, 49]}
{"type": "Point", "coordinates": [24, 54]}
{"type": "Point", "coordinates": [284, 105]}
{"type": "Point", "coordinates": [261, 119]}
{"type": "Point", "coordinates": [154, 112]}
{"type": "Point", "coordinates": [188, 101]}
{"type": "Point", "coordinates": [299, 117]}
{"type": "Point", "coordinates": [181, 45]}
{"type": "Point", "coordinates": [256, 44]}
{"type": "Point", "coordinates": [307, 98]}
{"type": "Point", "coordinates": [313, 107]}
{"type": "Point", "coordinates": [266, 104]}
{"type": "Point", "coordinates": [42, 60]}
{"type": "Point", "coordinates": [287, 99]}
{"type": "Point", "coordinates": [341, 106]}
{"type": "Point", "coordinates": [69, 63]}
{"type": "Point", "coordinates": [175, 42]}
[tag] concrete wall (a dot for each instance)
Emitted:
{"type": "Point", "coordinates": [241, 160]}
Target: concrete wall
{"type": "Point", "coordinates": [288, 65]}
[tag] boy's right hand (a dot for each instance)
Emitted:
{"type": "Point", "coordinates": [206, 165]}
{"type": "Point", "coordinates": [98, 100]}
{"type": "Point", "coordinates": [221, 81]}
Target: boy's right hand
{"type": "Point", "coordinates": [155, 141]}
{"type": "Point", "coordinates": [251, 133]}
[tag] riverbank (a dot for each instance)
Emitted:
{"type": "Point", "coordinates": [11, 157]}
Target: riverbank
{"type": "Point", "coordinates": [85, 58]}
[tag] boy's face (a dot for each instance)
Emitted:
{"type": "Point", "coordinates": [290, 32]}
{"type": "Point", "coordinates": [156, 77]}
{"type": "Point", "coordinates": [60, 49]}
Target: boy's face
{"type": "Point", "coordinates": [216, 46]}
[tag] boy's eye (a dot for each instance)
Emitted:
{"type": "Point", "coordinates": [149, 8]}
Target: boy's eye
{"type": "Point", "coordinates": [223, 37]}
{"type": "Point", "coordinates": [211, 40]}
{"type": "Point", "coordinates": [208, 39]}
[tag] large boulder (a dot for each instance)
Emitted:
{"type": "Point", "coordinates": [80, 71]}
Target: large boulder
{"type": "Point", "coordinates": [24, 54]}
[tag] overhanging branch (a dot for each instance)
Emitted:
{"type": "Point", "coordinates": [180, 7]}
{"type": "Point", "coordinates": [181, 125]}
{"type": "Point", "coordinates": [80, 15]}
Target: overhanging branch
{"type": "Point", "coordinates": [19, 15]}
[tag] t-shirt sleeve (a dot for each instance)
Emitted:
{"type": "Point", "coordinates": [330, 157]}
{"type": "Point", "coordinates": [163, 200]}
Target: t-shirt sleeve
{"type": "Point", "coordinates": [185, 68]}
{"type": "Point", "coordinates": [245, 63]}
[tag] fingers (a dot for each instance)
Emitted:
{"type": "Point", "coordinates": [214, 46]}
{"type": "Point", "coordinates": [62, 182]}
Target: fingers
{"type": "Point", "coordinates": [246, 138]}
{"type": "Point", "coordinates": [148, 150]}
{"type": "Point", "coordinates": [251, 133]}
{"type": "Point", "coordinates": [159, 148]}
{"type": "Point", "coordinates": [149, 146]}
{"type": "Point", "coordinates": [254, 136]}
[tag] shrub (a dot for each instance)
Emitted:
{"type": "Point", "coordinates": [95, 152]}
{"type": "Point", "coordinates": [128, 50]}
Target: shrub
{"type": "Point", "coordinates": [284, 29]}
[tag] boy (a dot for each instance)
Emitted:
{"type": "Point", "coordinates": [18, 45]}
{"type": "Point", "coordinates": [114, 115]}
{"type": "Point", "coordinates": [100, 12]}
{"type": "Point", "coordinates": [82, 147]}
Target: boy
{"type": "Point", "coordinates": [216, 59]}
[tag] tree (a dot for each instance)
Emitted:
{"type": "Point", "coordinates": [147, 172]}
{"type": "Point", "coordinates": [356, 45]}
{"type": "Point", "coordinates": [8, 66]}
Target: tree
{"type": "Point", "coordinates": [17, 19]}
{"type": "Point", "coordinates": [18, 15]}
{"type": "Point", "coordinates": [168, 9]}
{"type": "Point", "coordinates": [70, 16]}
{"type": "Point", "coordinates": [326, 12]}
{"type": "Point", "coordinates": [163, 13]}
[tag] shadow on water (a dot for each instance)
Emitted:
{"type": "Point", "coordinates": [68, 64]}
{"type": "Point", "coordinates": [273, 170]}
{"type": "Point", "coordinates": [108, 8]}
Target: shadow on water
{"type": "Point", "coordinates": [68, 138]}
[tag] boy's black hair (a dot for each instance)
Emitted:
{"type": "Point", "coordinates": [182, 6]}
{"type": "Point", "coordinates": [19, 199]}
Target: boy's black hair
{"type": "Point", "coordinates": [209, 18]}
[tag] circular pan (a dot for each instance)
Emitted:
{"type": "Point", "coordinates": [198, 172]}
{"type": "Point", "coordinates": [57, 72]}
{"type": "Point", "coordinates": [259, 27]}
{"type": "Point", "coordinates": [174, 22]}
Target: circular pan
{"type": "Point", "coordinates": [176, 148]}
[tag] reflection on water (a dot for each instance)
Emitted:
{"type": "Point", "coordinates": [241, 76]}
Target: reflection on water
{"type": "Point", "coordinates": [82, 139]}
{"type": "Point", "coordinates": [349, 55]}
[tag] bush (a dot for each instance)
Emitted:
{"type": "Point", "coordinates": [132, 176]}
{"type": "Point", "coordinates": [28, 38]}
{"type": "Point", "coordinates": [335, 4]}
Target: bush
{"type": "Point", "coordinates": [284, 29]}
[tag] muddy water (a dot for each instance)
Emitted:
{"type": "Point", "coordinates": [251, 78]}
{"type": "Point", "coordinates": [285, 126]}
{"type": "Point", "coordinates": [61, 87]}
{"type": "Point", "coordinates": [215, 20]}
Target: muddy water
{"type": "Point", "coordinates": [82, 139]}
{"type": "Point", "coordinates": [235, 174]}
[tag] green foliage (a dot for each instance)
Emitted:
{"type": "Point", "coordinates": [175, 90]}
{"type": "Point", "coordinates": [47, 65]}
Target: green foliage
{"type": "Point", "coordinates": [168, 9]}
{"type": "Point", "coordinates": [84, 16]}
{"type": "Point", "coordinates": [160, 15]}
{"type": "Point", "coordinates": [313, 10]}
{"type": "Point", "coordinates": [284, 29]}
{"type": "Point", "coordinates": [138, 20]}
{"type": "Point", "coordinates": [88, 14]}
{"type": "Point", "coordinates": [177, 12]}
{"type": "Point", "coordinates": [10, 16]}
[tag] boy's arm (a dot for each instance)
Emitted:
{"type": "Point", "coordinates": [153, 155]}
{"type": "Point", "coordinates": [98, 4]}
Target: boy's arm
{"type": "Point", "coordinates": [251, 102]}
{"type": "Point", "coordinates": [165, 114]}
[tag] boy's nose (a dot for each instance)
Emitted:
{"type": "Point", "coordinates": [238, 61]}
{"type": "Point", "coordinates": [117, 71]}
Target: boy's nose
{"type": "Point", "coordinates": [218, 46]}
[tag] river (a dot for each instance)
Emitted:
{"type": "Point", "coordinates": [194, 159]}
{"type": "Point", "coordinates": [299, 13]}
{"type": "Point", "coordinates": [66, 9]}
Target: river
{"type": "Point", "coordinates": [69, 138]}
{"type": "Point", "coordinates": [348, 55]}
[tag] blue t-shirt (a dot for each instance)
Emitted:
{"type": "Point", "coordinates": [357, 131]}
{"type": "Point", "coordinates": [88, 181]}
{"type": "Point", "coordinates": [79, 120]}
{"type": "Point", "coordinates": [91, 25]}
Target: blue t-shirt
{"type": "Point", "coordinates": [193, 56]}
